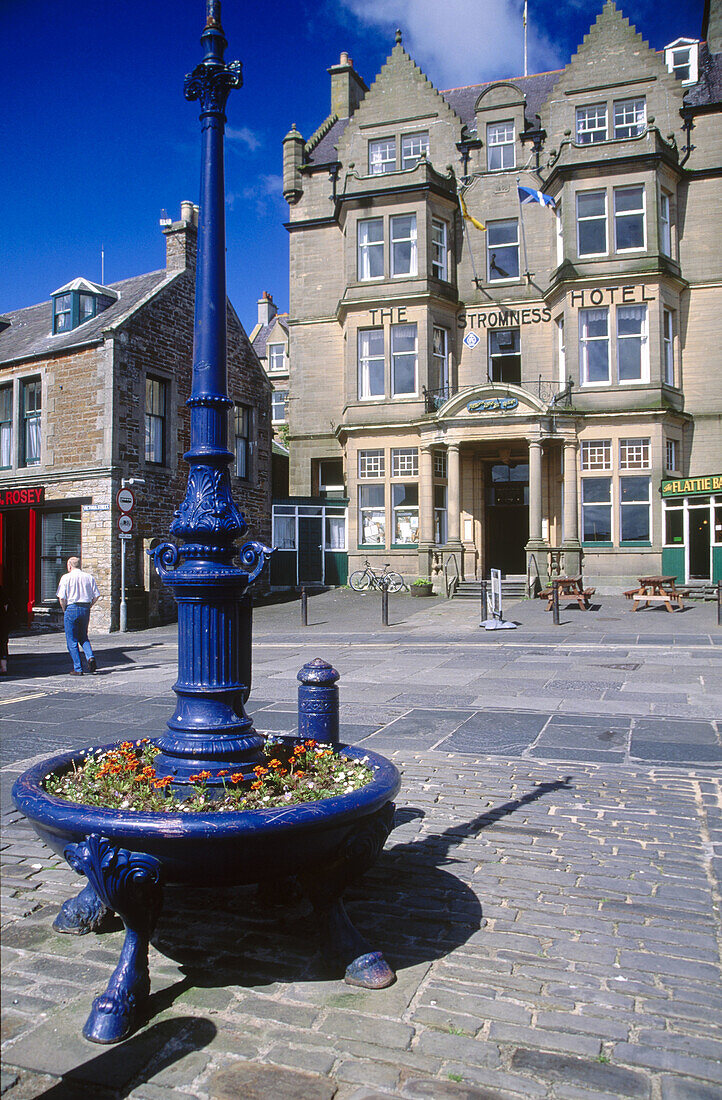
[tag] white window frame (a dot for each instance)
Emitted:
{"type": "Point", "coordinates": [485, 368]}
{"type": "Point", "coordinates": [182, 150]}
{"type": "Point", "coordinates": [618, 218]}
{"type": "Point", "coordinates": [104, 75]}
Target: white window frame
{"type": "Point", "coordinates": [413, 146]}
{"type": "Point", "coordinates": [491, 251]}
{"type": "Point", "coordinates": [276, 352]}
{"type": "Point", "coordinates": [278, 397]}
{"type": "Point", "coordinates": [371, 463]}
{"type": "Point", "coordinates": [665, 222]}
{"type": "Point", "coordinates": [440, 464]}
{"type": "Point", "coordinates": [439, 249]}
{"type": "Point", "coordinates": [410, 511]}
{"type": "Point", "coordinates": [561, 353]}
{"type": "Point", "coordinates": [671, 453]}
{"type": "Point", "coordinates": [607, 504]}
{"type": "Point", "coordinates": [378, 510]}
{"type": "Point", "coordinates": [585, 340]}
{"type": "Point", "coordinates": [7, 456]}
{"type": "Point", "coordinates": [638, 212]}
{"type": "Point", "coordinates": [635, 504]}
{"type": "Point", "coordinates": [584, 116]}
{"type": "Point", "coordinates": [593, 218]}
{"type": "Point", "coordinates": [559, 233]}
{"type": "Point", "coordinates": [243, 418]}
{"type": "Point", "coordinates": [440, 358]}
{"type": "Point", "coordinates": [630, 115]}
{"type": "Point", "coordinates": [411, 240]}
{"type": "Point", "coordinates": [668, 345]}
{"type": "Point", "coordinates": [441, 512]}
{"type": "Point", "coordinates": [364, 363]}
{"type": "Point", "coordinates": [642, 336]}
{"type": "Point", "coordinates": [367, 249]}
{"type": "Point", "coordinates": [157, 422]}
{"type": "Point", "coordinates": [404, 461]}
{"type": "Point", "coordinates": [635, 454]}
{"type": "Point", "coordinates": [513, 339]}
{"type": "Point", "coordinates": [596, 454]}
{"type": "Point", "coordinates": [385, 162]}
{"type": "Point", "coordinates": [400, 356]}
{"type": "Point", "coordinates": [673, 52]}
{"type": "Point", "coordinates": [501, 139]}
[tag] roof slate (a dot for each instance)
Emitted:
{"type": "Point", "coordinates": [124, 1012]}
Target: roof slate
{"type": "Point", "coordinates": [30, 336]}
{"type": "Point", "coordinates": [708, 89]}
{"type": "Point", "coordinates": [261, 338]}
{"type": "Point", "coordinates": [536, 88]}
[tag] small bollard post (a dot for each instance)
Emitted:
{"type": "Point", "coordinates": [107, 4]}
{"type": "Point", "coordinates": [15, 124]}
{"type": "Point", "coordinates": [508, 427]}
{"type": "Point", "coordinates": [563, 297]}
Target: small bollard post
{"type": "Point", "coordinates": [484, 602]}
{"type": "Point", "coordinates": [304, 607]}
{"type": "Point", "coordinates": [384, 606]}
{"type": "Point", "coordinates": [555, 603]}
{"type": "Point", "coordinates": [719, 603]}
{"type": "Point", "coordinates": [318, 702]}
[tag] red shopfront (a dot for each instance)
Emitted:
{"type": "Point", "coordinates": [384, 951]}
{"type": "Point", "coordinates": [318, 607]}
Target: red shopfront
{"type": "Point", "coordinates": [36, 539]}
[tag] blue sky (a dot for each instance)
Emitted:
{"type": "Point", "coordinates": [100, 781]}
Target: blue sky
{"type": "Point", "coordinates": [97, 137]}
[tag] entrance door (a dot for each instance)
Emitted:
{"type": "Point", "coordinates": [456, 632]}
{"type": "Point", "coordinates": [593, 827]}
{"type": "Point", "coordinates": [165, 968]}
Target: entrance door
{"type": "Point", "coordinates": [310, 550]}
{"type": "Point", "coordinates": [507, 517]}
{"type": "Point", "coordinates": [699, 543]}
{"type": "Point", "coordinates": [16, 559]}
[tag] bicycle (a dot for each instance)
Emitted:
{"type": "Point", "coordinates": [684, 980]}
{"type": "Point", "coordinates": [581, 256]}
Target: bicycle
{"type": "Point", "coordinates": [363, 579]}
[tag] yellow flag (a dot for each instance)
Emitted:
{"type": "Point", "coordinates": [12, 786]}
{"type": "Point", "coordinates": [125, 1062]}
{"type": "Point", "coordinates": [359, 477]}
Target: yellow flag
{"type": "Point", "coordinates": [467, 215]}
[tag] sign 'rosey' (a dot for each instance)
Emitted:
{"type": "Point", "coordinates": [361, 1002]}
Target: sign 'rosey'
{"type": "Point", "coordinates": [15, 498]}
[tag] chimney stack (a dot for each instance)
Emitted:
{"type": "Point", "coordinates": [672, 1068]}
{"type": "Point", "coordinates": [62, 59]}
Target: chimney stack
{"type": "Point", "coordinates": [267, 309]}
{"type": "Point", "coordinates": [347, 87]}
{"type": "Point", "coordinates": [181, 239]}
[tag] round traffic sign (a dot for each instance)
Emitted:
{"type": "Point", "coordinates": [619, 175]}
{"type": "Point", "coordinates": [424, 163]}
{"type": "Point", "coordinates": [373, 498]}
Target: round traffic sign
{"type": "Point", "coordinates": [125, 524]}
{"type": "Point", "coordinates": [125, 500]}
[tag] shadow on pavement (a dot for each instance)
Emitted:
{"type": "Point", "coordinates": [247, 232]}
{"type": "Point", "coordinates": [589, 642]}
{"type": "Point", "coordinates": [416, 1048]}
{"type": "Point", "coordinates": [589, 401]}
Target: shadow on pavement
{"type": "Point", "coordinates": [27, 666]}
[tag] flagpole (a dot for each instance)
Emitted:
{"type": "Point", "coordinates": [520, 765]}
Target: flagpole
{"type": "Point", "coordinates": [523, 234]}
{"type": "Point", "coordinates": [468, 240]}
{"type": "Point", "coordinates": [525, 22]}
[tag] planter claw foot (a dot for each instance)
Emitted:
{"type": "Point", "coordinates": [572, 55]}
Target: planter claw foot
{"type": "Point", "coordinates": [371, 971]}
{"type": "Point", "coordinates": [81, 914]}
{"type": "Point", "coordinates": [130, 884]}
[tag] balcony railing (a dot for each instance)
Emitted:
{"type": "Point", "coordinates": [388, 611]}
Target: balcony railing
{"type": "Point", "coordinates": [544, 390]}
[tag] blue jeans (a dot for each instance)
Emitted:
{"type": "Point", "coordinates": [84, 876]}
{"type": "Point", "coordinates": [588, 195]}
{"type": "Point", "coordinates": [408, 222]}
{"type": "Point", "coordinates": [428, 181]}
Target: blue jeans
{"type": "Point", "coordinates": [76, 619]}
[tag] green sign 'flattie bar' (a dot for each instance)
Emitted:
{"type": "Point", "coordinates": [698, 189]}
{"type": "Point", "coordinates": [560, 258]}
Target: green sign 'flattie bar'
{"type": "Point", "coordinates": [692, 486]}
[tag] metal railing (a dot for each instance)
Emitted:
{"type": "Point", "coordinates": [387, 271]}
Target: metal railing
{"type": "Point", "coordinates": [544, 390]}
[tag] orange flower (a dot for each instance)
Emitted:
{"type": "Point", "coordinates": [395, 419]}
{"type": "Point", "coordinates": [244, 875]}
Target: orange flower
{"type": "Point", "coordinates": [257, 785]}
{"type": "Point", "coordinates": [148, 772]}
{"type": "Point", "coordinates": [300, 775]}
{"type": "Point", "coordinates": [139, 778]}
{"type": "Point", "coordinates": [126, 746]}
{"type": "Point", "coordinates": [299, 749]}
{"type": "Point", "coordinates": [204, 775]}
{"type": "Point", "coordinates": [274, 763]}
{"type": "Point", "coordinates": [224, 772]}
{"type": "Point", "coordinates": [311, 744]}
{"type": "Point", "coordinates": [237, 777]}
{"type": "Point", "coordinates": [164, 782]}
{"type": "Point", "coordinates": [259, 770]}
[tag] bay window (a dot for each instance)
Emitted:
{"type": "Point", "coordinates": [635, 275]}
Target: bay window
{"type": "Point", "coordinates": [372, 515]}
{"type": "Point", "coordinates": [371, 463]}
{"type": "Point", "coordinates": [440, 362]}
{"type": "Point", "coordinates": [596, 454]}
{"type": "Point", "coordinates": [405, 462]}
{"type": "Point", "coordinates": [630, 117]}
{"type": "Point", "coordinates": [592, 223]}
{"type": "Point", "coordinates": [413, 147]}
{"type": "Point", "coordinates": [632, 344]}
{"type": "Point", "coordinates": [668, 346]}
{"type": "Point", "coordinates": [405, 499]}
{"type": "Point", "coordinates": [594, 346]}
{"type": "Point", "coordinates": [665, 223]}
{"type": "Point", "coordinates": [592, 124]}
{"type": "Point", "coordinates": [502, 249]}
{"type": "Point", "coordinates": [634, 454]}
{"type": "Point", "coordinates": [500, 149]}
{"type": "Point", "coordinates": [670, 455]}
{"type": "Point", "coordinates": [31, 402]}
{"type": "Point", "coordinates": [63, 313]}
{"type": "Point", "coordinates": [597, 509]}
{"type": "Point", "coordinates": [370, 363]}
{"type": "Point", "coordinates": [628, 218]}
{"type": "Point", "coordinates": [634, 509]}
{"type": "Point", "coordinates": [403, 244]}
{"type": "Point", "coordinates": [404, 356]}
{"type": "Point", "coordinates": [6, 427]}
{"type": "Point", "coordinates": [382, 156]}
{"type": "Point", "coordinates": [440, 515]}
{"type": "Point", "coordinates": [370, 250]}
{"type": "Point", "coordinates": [439, 249]}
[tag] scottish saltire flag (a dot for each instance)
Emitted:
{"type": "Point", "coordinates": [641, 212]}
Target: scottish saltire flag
{"type": "Point", "coordinates": [528, 194]}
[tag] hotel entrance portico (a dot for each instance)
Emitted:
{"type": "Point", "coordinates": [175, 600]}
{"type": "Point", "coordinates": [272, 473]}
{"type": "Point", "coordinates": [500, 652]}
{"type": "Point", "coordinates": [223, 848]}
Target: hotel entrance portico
{"type": "Point", "coordinates": [510, 462]}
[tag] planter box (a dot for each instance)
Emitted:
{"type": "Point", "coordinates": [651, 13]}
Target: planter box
{"type": "Point", "coordinates": [421, 589]}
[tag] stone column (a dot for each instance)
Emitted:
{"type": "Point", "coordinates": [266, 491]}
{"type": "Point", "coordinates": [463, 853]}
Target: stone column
{"type": "Point", "coordinates": [426, 510]}
{"type": "Point", "coordinates": [453, 471]}
{"type": "Point", "coordinates": [535, 494]}
{"type": "Point", "coordinates": [571, 544]}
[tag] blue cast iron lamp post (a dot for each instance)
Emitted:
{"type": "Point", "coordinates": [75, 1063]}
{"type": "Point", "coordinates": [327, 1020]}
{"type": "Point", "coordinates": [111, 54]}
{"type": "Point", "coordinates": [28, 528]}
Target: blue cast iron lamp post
{"type": "Point", "coordinates": [127, 857]}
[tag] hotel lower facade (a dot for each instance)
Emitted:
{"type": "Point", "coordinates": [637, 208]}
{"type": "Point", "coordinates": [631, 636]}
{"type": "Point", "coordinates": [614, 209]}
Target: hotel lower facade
{"type": "Point", "coordinates": [545, 392]}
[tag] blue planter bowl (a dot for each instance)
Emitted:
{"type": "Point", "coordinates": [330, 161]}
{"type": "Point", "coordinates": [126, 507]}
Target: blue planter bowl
{"type": "Point", "coordinates": [128, 857]}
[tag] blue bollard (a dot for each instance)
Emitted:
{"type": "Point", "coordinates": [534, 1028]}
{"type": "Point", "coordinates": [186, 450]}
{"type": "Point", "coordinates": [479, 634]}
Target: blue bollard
{"type": "Point", "coordinates": [318, 702]}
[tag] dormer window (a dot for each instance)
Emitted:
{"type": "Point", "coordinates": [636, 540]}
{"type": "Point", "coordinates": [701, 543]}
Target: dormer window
{"type": "Point", "coordinates": [78, 302]}
{"type": "Point", "coordinates": [276, 356]}
{"type": "Point", "coordinates": [591, 124]}
{"type": "Point", "coordinates": [413, 148]}
{"type": "Point", "coordinates": [382, 156]}
{"type": "Point", "coordinates": [681, 57]}
{"type": "Point", "coordinates": [501, 153]}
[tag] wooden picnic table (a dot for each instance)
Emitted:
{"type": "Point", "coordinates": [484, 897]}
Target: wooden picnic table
{"type": "Point", "coordinates": [656, 590]}
{"type": "Point", "coordinates": [571, 587]}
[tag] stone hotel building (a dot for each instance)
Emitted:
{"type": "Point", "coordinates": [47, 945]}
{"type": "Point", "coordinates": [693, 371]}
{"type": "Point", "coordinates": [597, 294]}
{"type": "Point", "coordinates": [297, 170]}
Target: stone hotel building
{"type": "Point", "coordinates": [481, 380]}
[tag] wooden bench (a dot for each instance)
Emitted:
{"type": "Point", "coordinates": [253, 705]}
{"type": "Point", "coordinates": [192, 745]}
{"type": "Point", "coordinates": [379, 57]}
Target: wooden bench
{"type": "Point", "coordinates": [582, 597]}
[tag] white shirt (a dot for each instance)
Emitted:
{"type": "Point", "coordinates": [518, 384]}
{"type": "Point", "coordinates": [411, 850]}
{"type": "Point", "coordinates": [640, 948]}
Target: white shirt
{"type": "Point", "coordinates": [77, 587]}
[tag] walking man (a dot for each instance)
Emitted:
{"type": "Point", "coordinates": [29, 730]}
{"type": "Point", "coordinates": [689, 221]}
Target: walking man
{"type": "Point", "coordinates": [77, 593]}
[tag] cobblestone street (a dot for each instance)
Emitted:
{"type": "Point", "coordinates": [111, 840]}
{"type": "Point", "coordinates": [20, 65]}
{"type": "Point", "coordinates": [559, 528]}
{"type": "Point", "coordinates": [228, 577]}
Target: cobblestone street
{"type": "Point", "coordinates": [549, 896]}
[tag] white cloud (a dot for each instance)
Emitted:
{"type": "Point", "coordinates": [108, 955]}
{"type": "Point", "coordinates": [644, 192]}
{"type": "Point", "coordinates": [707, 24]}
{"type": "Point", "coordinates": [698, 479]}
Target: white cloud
{"type": "Point", "coordinates": [460, 42]}
{"type": "Point", "coordinates": [262, 193]}
{"type": "Point", "coordinates": [243, 135]}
